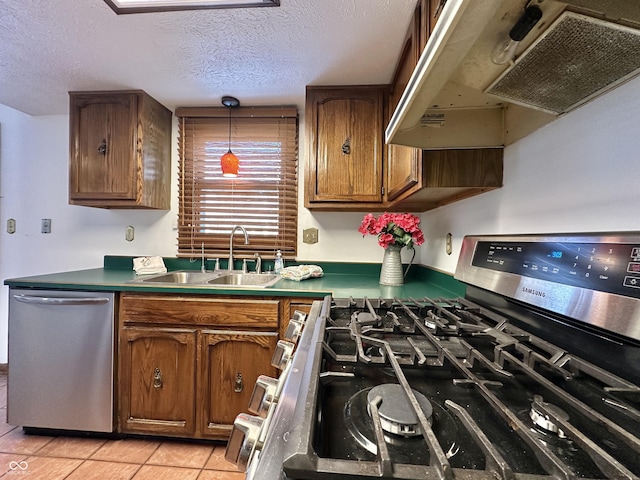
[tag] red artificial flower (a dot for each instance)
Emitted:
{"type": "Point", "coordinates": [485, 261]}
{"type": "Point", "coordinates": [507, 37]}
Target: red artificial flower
{"type": "Point", "coordinates": [402, 229]}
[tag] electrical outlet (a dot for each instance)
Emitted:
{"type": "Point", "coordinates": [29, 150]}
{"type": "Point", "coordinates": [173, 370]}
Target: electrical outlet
{"type": "Point", "coordinates": [129, 233]}
{"type": "Point", "coordinates": [11, 225]}
{"type": "Point", "coordinates": [45, 226]}
{"type": "Point", "coordinates": [449, 244]}
{"type": "Point", "coordinates": [310, 235]}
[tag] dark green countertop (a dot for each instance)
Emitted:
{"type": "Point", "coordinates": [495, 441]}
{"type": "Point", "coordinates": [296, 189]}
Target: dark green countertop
{"type": "Point", "coordinates": [340, 280]}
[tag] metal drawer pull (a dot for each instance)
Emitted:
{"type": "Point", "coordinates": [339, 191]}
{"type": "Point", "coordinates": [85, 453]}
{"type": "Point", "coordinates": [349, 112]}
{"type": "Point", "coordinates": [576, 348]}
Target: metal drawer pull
{"type": "Point", "coordinates": [239, 383]}
{"type": "Point", "coordinates": [157, 378]}
{"type": "Point", "coordinates": [346, 146]}
{"type": "Point", "coordinates": [102, 148]}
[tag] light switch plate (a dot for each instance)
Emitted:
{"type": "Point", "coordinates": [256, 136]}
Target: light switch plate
{"type": "Point", "coordinates": [45, 225]}
{"type": "Point", "coordinates": [129, 233]}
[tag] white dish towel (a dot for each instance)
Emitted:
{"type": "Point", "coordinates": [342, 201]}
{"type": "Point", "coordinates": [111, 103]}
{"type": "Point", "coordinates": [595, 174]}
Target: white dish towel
{"type": "Point", "coordinates": [301, 272]}
{"type": "Point", "coordinates": [149, 265]}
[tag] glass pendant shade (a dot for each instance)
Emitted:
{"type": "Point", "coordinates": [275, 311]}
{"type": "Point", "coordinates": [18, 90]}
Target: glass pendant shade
{"type": "Point", "coordinates": [229, 163]}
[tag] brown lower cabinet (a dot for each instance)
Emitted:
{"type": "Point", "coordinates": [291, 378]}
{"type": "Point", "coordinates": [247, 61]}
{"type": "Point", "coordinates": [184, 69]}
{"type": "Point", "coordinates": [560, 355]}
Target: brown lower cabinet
{"type": "Point", "coordinates": [187, 363]}
{"type": "Point", "coordinates": [231, 363]}
{"type": "Point", "coordinates": [158, 380]}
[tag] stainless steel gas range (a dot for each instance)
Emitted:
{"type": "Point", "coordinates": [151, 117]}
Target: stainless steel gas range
{"type": "Point", "coordinates": [534, 374]}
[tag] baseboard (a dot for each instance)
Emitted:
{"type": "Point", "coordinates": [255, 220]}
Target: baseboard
{"type": "Point", "coordinates": [4, 368]}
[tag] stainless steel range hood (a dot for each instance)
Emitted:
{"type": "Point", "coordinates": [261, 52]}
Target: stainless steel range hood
{"type": "Point", "coordinates": [457, 98]}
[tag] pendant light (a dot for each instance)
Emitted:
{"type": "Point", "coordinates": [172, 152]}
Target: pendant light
{"type": "Point", "coordinates": [229, 162]}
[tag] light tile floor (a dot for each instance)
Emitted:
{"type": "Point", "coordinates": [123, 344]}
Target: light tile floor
{"type": "Point", "coordinates": [36, 457]}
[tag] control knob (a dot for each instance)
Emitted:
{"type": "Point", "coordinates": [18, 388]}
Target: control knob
{"type": "Point", "coordinates": [264, 394]}
{"type": "Point", "coordinates": [294, 330]}
{"type": "Point", "coordinates": [243, 440]}
{"type": "Point", "coordinates": [282, 354]}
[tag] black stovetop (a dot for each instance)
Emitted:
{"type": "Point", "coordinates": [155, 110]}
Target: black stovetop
{"type": "Point", "coordinates": [482, 376]}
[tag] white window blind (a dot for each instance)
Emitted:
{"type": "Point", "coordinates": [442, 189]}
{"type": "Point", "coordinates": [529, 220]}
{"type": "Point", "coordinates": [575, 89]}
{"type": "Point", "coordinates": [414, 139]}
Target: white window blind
{"type": "Point", "coordinates": [262, 198]}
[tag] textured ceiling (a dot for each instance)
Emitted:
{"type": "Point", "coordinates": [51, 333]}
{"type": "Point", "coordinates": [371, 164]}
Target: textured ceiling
{"type": "Point", "coordinates": [193, 58]}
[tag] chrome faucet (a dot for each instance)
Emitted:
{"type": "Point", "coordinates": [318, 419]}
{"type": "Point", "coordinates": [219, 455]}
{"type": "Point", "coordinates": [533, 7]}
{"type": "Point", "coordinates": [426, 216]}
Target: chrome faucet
{"type": "Point", "coordinates": [246, 242]}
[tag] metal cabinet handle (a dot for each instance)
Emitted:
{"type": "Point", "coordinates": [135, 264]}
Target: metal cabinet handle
{"type": "Point", "coordinates": [239, 385]}
{"type": "Point", "coordinates": [157, 378]}
{"type": "Point", "coordinates": [102, 148]}
{"type": "Point", "coordinates": [346, 146]}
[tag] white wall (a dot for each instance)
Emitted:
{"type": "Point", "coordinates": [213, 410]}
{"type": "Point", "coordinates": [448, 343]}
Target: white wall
{"type": "Point", "coordinates": [579, 173]}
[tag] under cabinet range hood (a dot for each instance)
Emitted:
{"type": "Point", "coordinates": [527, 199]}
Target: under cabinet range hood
{"type": "Point", "coordinates": [458, 98]}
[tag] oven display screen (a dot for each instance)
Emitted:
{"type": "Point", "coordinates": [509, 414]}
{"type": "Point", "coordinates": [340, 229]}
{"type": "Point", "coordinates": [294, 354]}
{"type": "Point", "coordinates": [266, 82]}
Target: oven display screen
{"type": "Point", "coordinates": [607, 267]}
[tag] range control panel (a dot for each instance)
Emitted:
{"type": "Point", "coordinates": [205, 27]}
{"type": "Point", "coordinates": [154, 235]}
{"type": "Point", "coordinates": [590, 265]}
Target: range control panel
{"type": "Point", "coordinates": [606, 267]}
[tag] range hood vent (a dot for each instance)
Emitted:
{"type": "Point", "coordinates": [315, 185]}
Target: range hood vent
{"type": "Point", "coordinates": [576, 59]}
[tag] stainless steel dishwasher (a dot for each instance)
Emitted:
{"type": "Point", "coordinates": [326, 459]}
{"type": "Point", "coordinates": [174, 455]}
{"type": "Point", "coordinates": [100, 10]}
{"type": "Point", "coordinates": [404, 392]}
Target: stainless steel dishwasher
{"type": "Point", "coordinates": [61, 360]}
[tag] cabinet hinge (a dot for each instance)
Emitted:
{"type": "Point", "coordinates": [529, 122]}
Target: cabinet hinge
{"type": "Point", "coordinates": [382, 191]}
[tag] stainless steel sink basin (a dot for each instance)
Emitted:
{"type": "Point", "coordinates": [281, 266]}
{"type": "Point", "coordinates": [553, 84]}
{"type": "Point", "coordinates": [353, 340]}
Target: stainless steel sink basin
{"type": "Point", "coordinates": [180, 277]}
{"type": "Point", "coordinates": [222, 278]}
{"type": "Point", "coordinates": [253, 280]}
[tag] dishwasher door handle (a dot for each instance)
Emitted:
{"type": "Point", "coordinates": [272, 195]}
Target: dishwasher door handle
{"type": "Point", "coordinates": [61, 300]}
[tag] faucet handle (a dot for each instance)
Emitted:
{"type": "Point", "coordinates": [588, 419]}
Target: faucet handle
{"type": "Point", "coordinates": [258, 260]}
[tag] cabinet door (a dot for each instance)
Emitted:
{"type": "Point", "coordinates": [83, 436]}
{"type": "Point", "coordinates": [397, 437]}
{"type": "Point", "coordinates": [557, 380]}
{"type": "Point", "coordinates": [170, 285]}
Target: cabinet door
{"type": "Point", "coordinates": [231, 364]}
{"type": "Point", "coordinates": [435, 9]}
{"type": "Point", "coordinates": [403, 164]}
{"type": "Point", "coordinates": [345, 128]}
{"type": "Point", "coordinates": [103, 147]}
{"type": "Point", "coordinates": [157, 380]}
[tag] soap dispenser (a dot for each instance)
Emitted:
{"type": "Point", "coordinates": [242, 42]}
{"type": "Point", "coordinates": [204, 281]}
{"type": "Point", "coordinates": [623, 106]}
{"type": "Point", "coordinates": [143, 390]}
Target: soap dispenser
{"type": "Point", "coordinates": [278, 263]}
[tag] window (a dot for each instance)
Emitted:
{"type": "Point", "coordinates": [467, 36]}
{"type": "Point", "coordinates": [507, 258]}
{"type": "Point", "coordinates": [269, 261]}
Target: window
{"type": "Point", "coordinates": [262, 198]}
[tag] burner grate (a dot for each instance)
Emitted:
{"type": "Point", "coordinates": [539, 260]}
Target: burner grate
{"type": "Point", "coordinates": [480, 373]}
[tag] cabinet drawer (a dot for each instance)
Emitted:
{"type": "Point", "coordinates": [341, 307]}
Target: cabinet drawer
{"type": "Point", "coordinates": [243, 312]}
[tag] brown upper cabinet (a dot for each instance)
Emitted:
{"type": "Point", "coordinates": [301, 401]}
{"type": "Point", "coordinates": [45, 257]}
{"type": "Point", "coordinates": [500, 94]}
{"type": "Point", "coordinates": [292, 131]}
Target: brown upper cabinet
{"type": "Point", "coordinates": [403, 165]}
{"type": "Point", "coordinates": [420, 180]}
{"type": "Point", "coordinates": [344, 134]}
{"type": "Point", "coordinates": [120, 150]}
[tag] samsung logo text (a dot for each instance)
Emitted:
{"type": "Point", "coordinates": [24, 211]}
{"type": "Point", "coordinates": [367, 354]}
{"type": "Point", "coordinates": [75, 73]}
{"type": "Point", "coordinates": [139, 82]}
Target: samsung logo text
{"type": "Point", "coordinates": [532, 291]}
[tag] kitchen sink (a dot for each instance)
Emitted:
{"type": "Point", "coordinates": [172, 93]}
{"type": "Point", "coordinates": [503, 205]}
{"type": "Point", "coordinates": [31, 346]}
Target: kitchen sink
{"type": "Point", "coordinates": [180, 277]}
{"type": "Point", "coordinates": [222, 278]}
{"type": "Point", "coordinates": [254, 280]}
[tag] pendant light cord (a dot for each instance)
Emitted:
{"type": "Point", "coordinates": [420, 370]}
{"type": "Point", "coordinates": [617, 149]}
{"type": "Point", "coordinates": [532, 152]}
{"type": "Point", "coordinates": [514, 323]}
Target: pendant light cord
{"type": "Point", "coordinates": [229, 128]}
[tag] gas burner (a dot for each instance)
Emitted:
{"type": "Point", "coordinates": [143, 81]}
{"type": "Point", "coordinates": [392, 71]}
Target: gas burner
{"type": "Point", "coordinates": [396, 413]}
{"type": "Point", "coordinates": [360, 426]}
{"type": "Point", "coordinates": [544, 421]}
